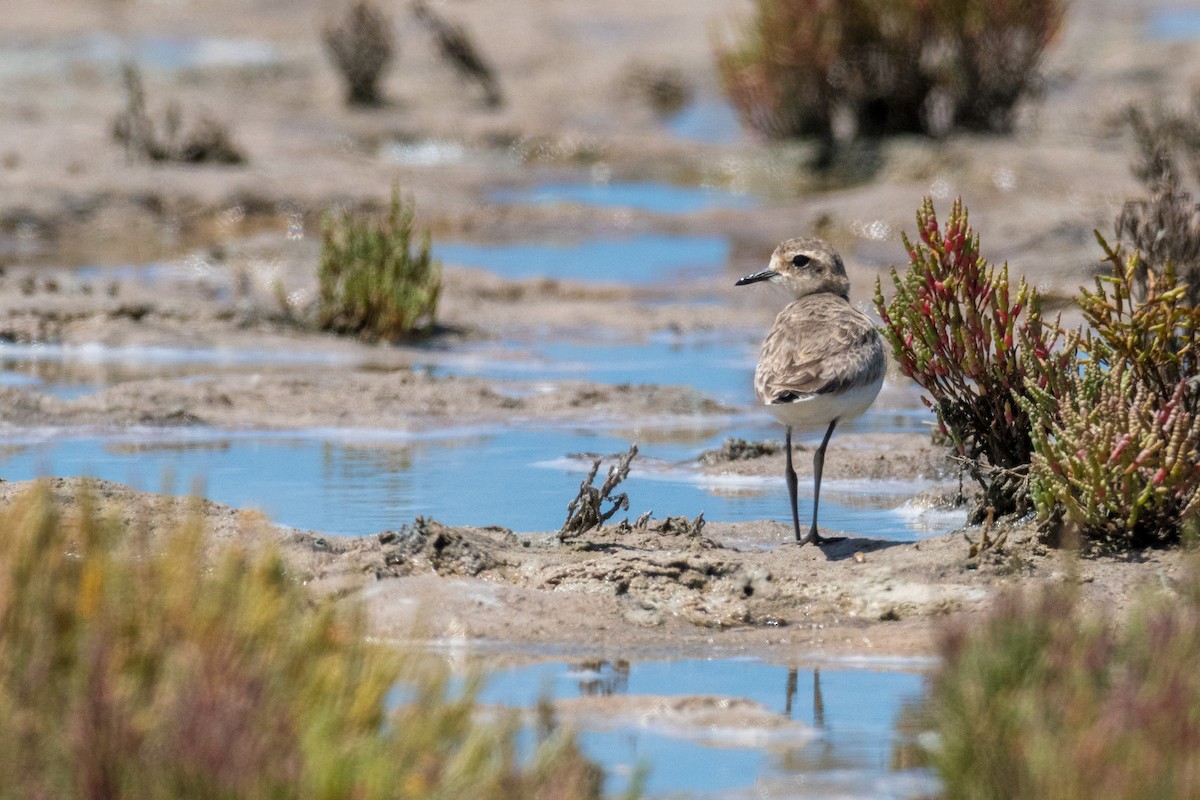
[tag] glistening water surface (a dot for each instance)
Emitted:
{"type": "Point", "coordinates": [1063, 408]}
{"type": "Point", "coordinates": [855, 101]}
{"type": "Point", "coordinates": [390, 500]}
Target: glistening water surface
{"type": "Point", "coordinates": [659, 198]}
{"type": "Point", "coordinates": [646, 259]}
{"type": "Point", "coordinates": [363, 481]}
{"type": "Point", "coordinates": [852, 714]}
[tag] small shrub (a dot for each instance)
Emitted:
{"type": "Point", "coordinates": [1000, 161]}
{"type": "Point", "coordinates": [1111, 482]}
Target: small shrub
{"type": "Point", "coordinates": [156, 669]}
{"type": "Point", "coordinates": [459, 50]}
{"type": "Point", "coordinates": [207, 142]}
{"type": "Point", "coordinates": [1120, 455]}
{"type": "Point", "coordinates": [1165, 227]}
{"type": "Point", "coordinates": [1043, 699]}
{"type": "Point", "coordinates": [957, 329]}
{"type": "Point", "coordinates": [665, 89]}
{"type": "Point", "coordinates": [374, 280]}
{"type": "Point", "coordinates": [894, 67]}
{"type": "Point", "coordinates": [361, 46]}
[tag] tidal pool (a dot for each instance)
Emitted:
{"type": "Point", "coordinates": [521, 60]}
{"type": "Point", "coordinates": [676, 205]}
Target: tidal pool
{"type": "Point", "coordinates": [1174, 25]}
{"type": "Point", "coordinates": [658, 198]}
{"type": "Point", "coordinates": [353, 482]}
{"type": "Point", "coordinates": [646, 259]}
{"type": "Point", "coordinates": [852, 714]}
{"type": "Point", "coordinates": [709, 121]}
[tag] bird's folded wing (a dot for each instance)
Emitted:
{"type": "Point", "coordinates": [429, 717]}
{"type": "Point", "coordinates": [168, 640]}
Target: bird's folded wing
{"type": "Point", "coordinates": [816, 352]}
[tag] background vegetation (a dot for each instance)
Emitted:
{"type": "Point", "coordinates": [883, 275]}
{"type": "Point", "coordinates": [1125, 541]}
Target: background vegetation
{"type": "Point", "coordinates": [361, 46]}
{"type": "Point", "coordinates": [806, 67]}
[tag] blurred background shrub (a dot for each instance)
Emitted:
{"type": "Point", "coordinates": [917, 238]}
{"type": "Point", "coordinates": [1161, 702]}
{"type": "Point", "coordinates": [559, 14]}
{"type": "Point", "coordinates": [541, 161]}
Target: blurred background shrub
{"type": "Point", "coordinates": [1165, 226]}
{"type": "Point", "coordinates": [361, 45]}
{"type": "Point", "coordinates": [859, 68]}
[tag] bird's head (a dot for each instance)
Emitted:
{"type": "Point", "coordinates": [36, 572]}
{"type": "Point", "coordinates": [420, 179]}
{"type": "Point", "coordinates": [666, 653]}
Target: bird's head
{"type": "Point", "coordinates": [805, 266]}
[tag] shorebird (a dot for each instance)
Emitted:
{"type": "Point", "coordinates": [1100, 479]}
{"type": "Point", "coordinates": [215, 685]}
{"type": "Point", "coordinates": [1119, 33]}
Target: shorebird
{"type": "Point", "coordinates": [822, 362]}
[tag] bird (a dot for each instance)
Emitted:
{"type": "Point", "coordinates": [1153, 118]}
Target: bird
{"type": "Point", "coordinates": [823, 360]}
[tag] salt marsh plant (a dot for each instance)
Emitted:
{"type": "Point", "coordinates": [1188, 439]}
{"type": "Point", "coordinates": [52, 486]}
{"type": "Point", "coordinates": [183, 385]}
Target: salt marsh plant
{"type": "Point", "coordinates": [1096, 429]}
{"type": "Point", "coordinates": [361, 46]}
{"type": "Point", "coordinates": [1118, 458]}
{"type": "Point", "coordinates": [1165, 227]}
{"type": "Point", "coordinates": [1044, 698]}
{"type": "Point", "coordinates": [958, 328]}
{"type": "Point", "coordinates": [803, 67]}
{"type": "Point", "coordinates": [459, 51]}
{"type": "Point", "coordinates": [160, 668]}
{"type": "Point", "coordinates": [377, 279]}
{"type": "Point", "coordinates": [207, 141]}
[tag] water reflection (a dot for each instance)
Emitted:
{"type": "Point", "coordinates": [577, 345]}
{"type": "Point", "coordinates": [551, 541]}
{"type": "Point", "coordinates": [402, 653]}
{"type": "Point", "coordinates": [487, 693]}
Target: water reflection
{"type": "Point", "coordinates": [853, 712]}
{"type": "Point", "coordinates": [602, 678]}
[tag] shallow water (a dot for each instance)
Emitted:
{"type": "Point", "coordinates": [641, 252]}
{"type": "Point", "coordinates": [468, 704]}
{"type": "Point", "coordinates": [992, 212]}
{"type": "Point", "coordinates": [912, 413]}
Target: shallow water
{"type": "Point", "coordinates": [709, 121]}
{"type": "Point", "coordinates": [1175, 25]}
{"type": "Point", "coordinates": [646, 259]}
{"type": "Point", "coordinates": [659, 198]}
{"type": "Point", "coordinates": [68, 371]}
{"type": "Point", "coordinates": [363, 481]}
{"type": "Point", "coordinates": [852, 712]}
{"type": "Point", "coordinates": [148, 52]}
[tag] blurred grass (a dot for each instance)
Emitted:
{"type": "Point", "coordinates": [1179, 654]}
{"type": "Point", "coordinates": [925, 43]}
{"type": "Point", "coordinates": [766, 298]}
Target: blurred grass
{"type": "Point", "coordinates": [1048, 699]}
{"type": "Point", "coordinates": [132, 667]}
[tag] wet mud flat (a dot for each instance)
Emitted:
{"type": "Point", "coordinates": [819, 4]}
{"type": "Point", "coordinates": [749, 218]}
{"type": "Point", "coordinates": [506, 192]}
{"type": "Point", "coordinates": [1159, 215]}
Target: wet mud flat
{"type": "Point", "coordinates": [663, 590]}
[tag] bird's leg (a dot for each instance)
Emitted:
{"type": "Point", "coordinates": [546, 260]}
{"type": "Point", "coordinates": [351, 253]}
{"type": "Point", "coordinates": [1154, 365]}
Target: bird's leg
{"type": "Point", "coordinates": [818, 465]}
{"type": "Point", "coordinates": [789, 475]}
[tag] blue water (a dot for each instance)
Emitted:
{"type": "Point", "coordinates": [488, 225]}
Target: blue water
{"type": "Point", "coordinates": [660, 198]}
{"type": "Point", "coordinates": [1179, 25]}
{"type": "Point", "coordinates": [854, 721]}
{"type": "Point", "coordinates": [709, 122]}
{"type": "Point", "coordinates": [719, 368]}
{"type": "Point", "coordinates": [646, 259]}
{"type": "Point", "coordinates": [361, 482]}
{"type": "Point", "coordinates": [148, 52]}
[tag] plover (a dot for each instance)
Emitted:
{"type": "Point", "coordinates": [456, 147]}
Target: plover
{"type": "Point", "coordinates": [822, 362]}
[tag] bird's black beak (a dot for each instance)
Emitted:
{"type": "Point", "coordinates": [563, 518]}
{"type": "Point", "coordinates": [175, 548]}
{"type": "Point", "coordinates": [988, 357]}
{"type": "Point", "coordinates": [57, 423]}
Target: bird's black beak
{"type": "Point", "coordinates": [765, 275]}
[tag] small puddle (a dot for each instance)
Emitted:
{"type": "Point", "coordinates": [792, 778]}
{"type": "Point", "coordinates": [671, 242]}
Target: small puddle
{"type": "Point", "coordinates": [149, 52]}
{"type": "Point", "coordinates": [1175, 25]}
{"type": "Point", "coordinates": [660, 198]}
{"type": "Point", "coordinates": [354, 482]}
{"type": "Point", "coordinates": [849, 717]}
{"type": "Point", "coordinates": [708, 121]}
{"type": "Point", "coordinates": [647, 259]}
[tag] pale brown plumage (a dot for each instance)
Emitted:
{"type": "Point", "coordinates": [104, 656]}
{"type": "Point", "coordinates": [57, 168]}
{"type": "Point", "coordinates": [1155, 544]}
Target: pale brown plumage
{"type": "Point", "coordinates": [818, 344]}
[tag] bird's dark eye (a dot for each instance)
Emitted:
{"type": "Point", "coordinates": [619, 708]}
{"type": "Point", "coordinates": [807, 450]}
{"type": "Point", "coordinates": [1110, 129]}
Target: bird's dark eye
{"type": "Point", "coordinates": [800, 261]}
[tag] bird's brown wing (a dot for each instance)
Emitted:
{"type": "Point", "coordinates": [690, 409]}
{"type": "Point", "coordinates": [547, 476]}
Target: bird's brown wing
{"type": "Point", "coordinates": [815, 347]}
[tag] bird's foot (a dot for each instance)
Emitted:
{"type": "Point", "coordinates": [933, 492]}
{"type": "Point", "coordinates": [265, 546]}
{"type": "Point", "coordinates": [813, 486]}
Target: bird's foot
{"type": "Point", "coordinates": [813, 537]}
